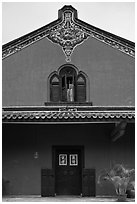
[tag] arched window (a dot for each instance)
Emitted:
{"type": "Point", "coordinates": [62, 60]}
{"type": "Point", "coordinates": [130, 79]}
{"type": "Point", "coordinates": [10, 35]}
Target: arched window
{"type": "Point", "coordinates": [68, 85]}
{"type": "Point", "coordinates": [54, 89]}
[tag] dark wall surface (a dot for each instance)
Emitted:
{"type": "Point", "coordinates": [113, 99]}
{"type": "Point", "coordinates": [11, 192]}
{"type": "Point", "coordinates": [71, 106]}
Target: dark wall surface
{"type": "Point", "coordinates": [21, 141]}
{"type": "Point", "coordinates": [110, 73]}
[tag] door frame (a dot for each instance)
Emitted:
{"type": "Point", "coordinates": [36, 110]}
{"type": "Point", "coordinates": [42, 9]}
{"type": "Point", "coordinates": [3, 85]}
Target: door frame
{"type": "Point", "coordinates": [68, 147]}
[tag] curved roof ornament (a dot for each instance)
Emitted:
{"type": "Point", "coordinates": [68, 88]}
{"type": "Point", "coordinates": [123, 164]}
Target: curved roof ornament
{"type": "Point", "coordinates": [68, 34]}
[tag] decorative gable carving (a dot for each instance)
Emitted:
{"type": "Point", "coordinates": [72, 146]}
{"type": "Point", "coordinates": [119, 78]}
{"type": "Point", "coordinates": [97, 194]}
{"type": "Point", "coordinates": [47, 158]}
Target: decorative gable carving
{"type": "Point", "coordinates": [68, 32]}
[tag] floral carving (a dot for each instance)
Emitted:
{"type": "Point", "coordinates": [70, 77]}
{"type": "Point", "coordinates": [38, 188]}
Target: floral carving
{"type": "Point", "coordinates": [20, 45]}
{"type": "Point", "coordinates": [68, 35]}
{"type": "Point", "coordinates": [113, 43]}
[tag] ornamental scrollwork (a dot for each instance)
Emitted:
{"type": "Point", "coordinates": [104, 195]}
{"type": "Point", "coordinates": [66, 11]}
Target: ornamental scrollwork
{"type": "Point", "coordinates": [68, 35]}
{"type": "Point", "coordinates": [68, 32]}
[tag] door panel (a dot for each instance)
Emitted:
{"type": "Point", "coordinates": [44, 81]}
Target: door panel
{"type": "Point", "coordinates": [88, 183]}
{"type": "Point", "coordinates": [47, 182]}
{"type": "Point", "coordinates": [68, 172]}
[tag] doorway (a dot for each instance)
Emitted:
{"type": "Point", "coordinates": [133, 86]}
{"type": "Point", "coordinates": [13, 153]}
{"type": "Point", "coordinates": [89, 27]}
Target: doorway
{"type": "Point", "coordinates": [68, 162]}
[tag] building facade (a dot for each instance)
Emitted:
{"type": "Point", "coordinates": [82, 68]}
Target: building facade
{"type": "Point", "coordinates": [68, 108]}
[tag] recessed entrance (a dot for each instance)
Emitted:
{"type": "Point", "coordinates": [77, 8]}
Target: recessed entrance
{"type": "Point", "coordinates": [68, 170]}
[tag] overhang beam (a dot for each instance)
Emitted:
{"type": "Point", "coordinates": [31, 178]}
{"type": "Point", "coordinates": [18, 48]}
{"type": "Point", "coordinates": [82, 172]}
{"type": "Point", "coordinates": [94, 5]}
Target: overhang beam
{"type": "Point", "coordinates": [68, 114]}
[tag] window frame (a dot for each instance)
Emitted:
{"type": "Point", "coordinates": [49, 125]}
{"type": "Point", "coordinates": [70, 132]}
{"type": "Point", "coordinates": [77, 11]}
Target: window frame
{"type": "Point", "coordinates": [63, 71]}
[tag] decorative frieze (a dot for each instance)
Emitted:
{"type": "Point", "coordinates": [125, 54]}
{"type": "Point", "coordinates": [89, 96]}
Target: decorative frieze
{"type": "Point", "coordinates": [36, 116]}
{"type": "Point", "coordinates": [67, 34]}
{"type": "Point", "coordinates": [21, 45]}
{"type": "Point", "coordinates": [114, 43]}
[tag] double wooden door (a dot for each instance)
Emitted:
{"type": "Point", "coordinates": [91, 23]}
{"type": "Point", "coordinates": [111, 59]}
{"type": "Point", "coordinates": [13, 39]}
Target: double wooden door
{"type": "Point", "coordinates": [68, 175]}
{"type": "Point", "coordinates": [68, 171]}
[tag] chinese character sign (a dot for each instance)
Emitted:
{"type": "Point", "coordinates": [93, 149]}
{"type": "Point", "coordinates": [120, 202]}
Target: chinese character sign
{"type": "Point", "coordinates": [63, 159]}
{"type": "Point", "coordinates": [73, 159]}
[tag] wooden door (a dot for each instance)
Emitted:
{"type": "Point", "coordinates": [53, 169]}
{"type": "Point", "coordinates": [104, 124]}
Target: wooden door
{"type": "Point", "coordinates": [68, 172]}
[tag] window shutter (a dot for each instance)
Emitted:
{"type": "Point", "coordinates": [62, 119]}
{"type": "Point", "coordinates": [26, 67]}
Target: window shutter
{"type": "Point", "coordinates": [81, 89]}
{"type": "Point", "coordinates": [81, 93]}
{"type": "Point", "coordinates": [54, 90]}
{"type": "Point", "coordinates": [54, 93]}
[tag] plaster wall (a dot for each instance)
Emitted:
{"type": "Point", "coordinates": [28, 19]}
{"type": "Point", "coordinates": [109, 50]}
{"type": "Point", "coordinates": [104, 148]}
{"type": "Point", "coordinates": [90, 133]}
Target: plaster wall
{"type": "Point", "coordinates": [110, 72]}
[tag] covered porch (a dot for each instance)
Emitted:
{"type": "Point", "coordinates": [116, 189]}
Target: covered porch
{"type": "Point", "coordinates": [105, 135]}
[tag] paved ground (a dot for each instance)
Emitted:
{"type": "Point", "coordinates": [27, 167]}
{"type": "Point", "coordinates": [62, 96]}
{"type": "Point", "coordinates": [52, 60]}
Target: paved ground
{"type": "Point", "coordinates": [59, 199]}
